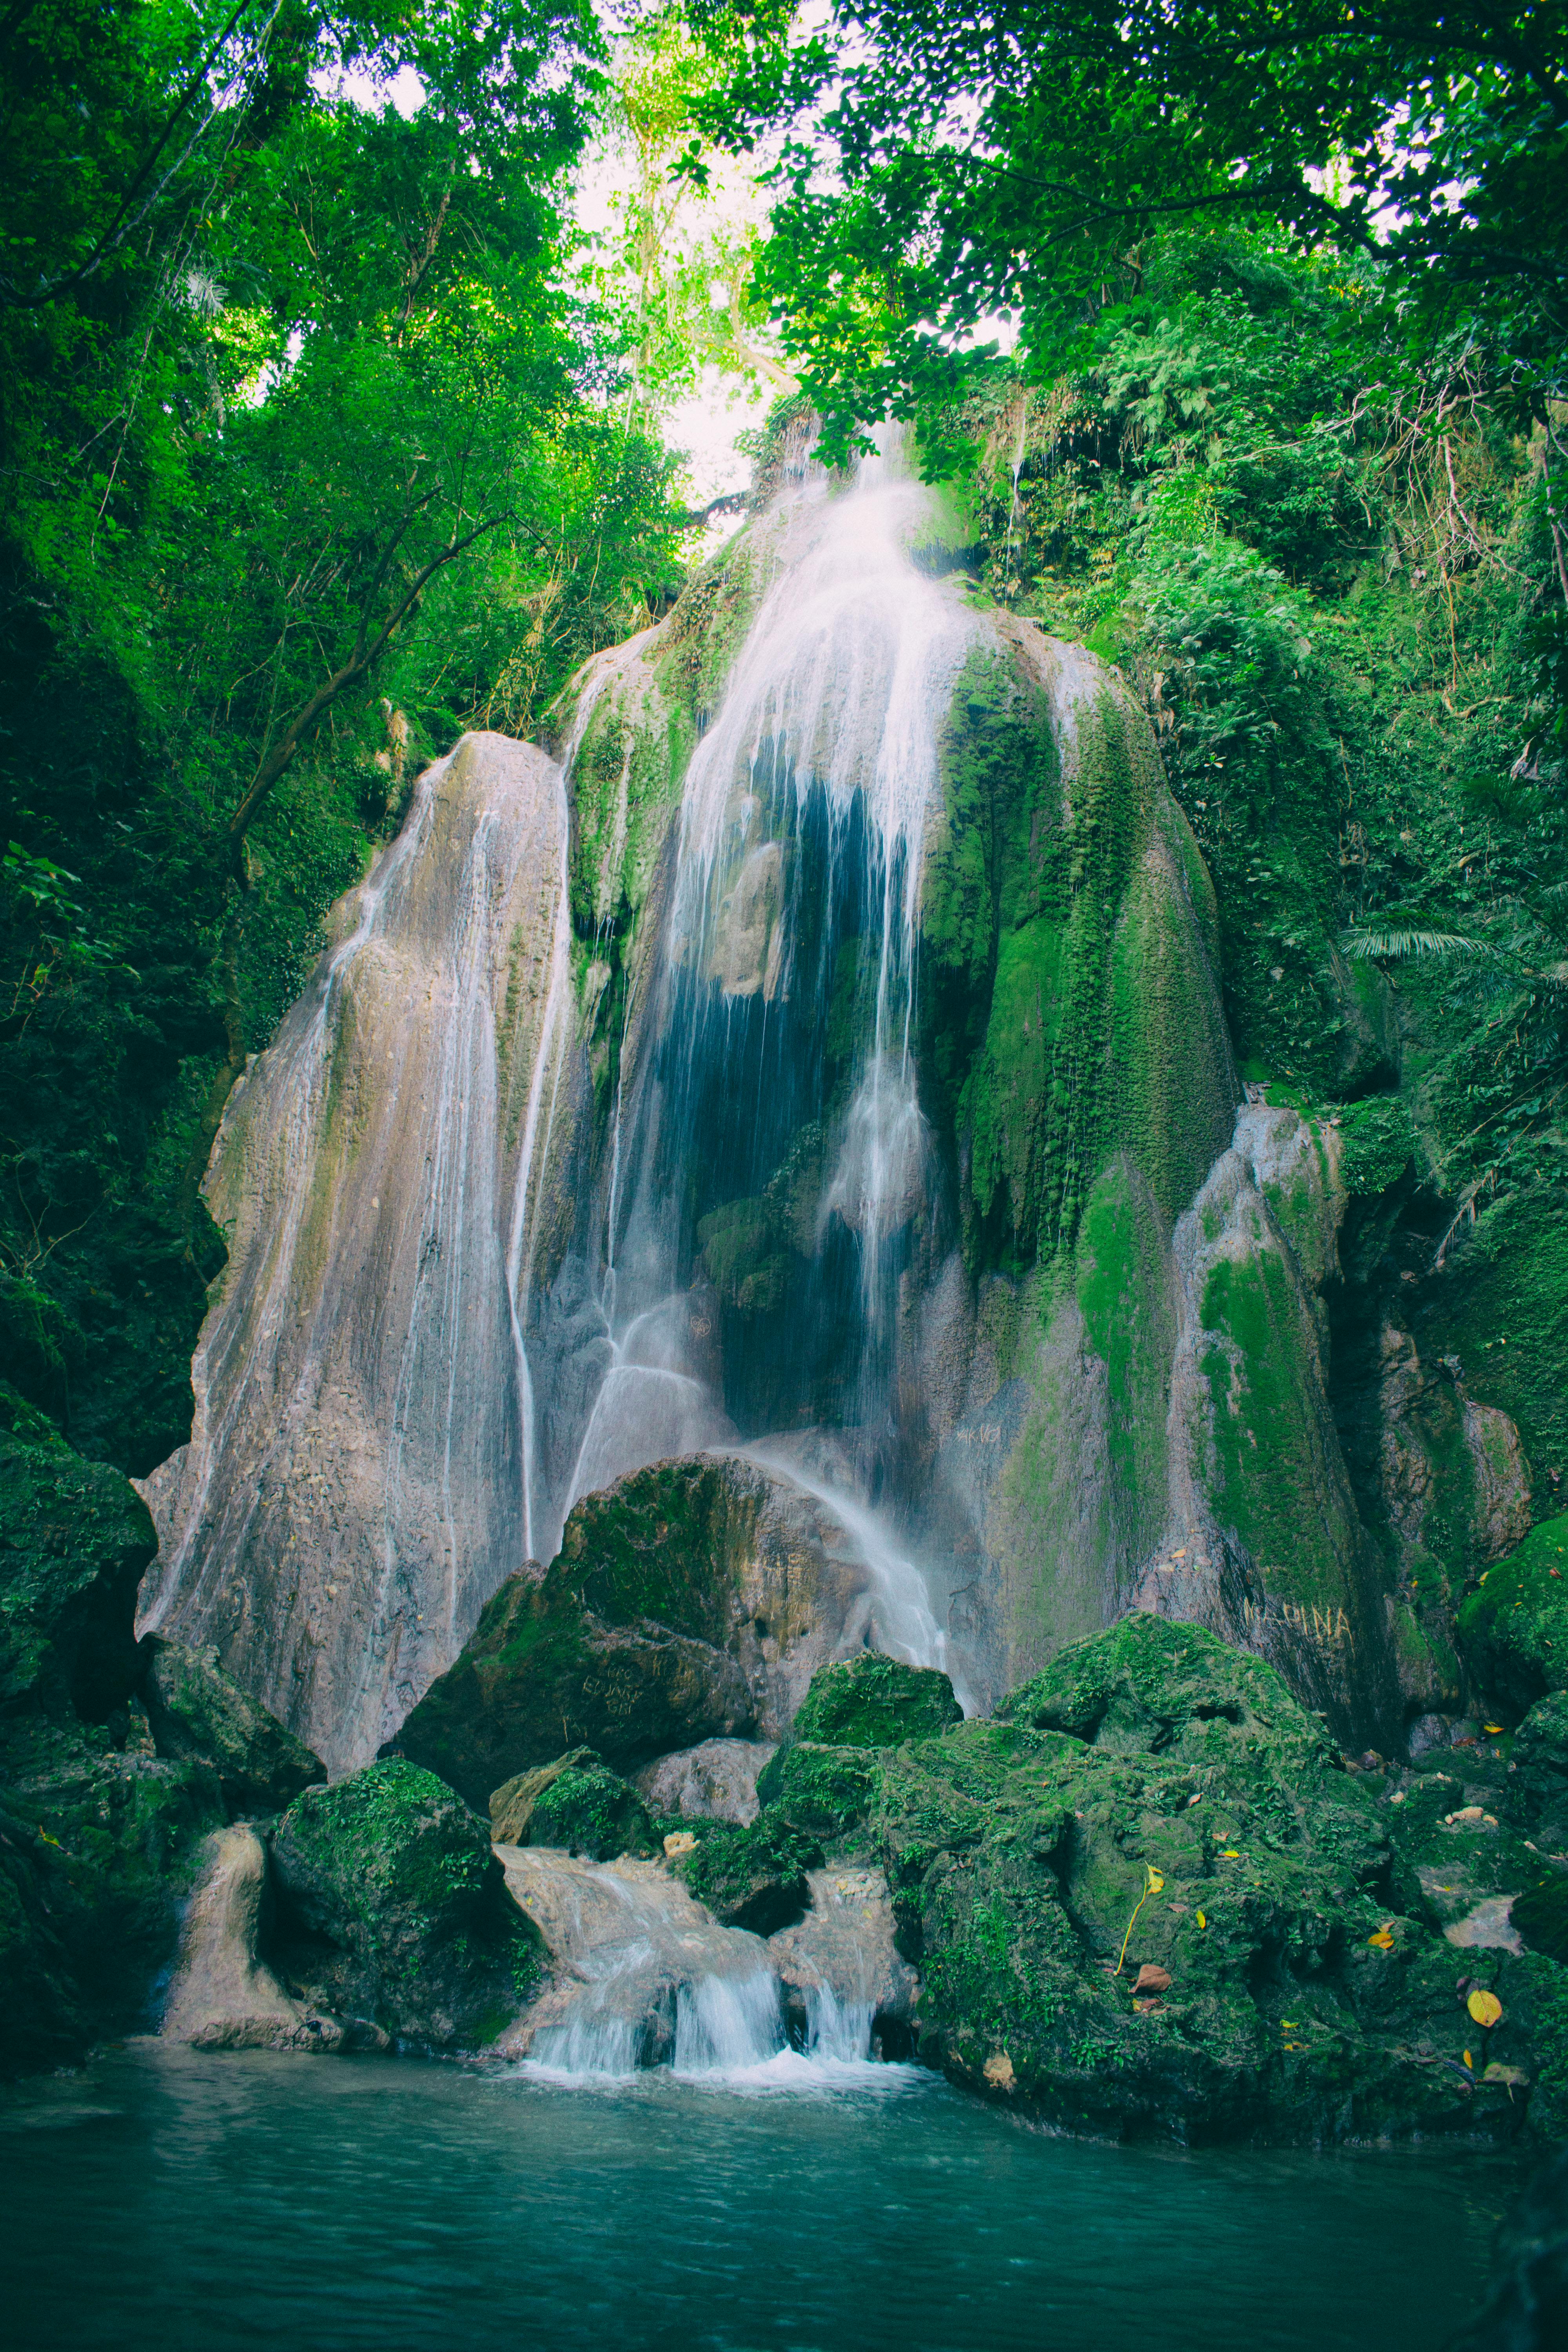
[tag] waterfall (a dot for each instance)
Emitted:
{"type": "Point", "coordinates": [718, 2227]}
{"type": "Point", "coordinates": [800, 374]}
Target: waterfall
{"type": "Point", "coordinates": [796, 874]}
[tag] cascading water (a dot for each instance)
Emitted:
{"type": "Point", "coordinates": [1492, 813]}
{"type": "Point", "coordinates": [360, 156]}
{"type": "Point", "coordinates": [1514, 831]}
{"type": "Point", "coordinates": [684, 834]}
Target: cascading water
{"type": "Point", "coordinates": [645, 1978]}
{"type": "Point", "coordinates": [769, 1110]}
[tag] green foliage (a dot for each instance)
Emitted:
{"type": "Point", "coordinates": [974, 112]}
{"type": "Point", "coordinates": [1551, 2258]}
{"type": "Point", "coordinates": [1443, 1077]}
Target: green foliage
{"type": "Point", "coordinates": [311, 460]}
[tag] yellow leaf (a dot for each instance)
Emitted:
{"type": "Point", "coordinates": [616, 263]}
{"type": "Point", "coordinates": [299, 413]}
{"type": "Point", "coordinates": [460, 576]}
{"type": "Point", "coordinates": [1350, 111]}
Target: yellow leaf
{"type": "Point", "coordinates": [1469, 2060]}
{"type": "Point", "coordinates": [1202, 1921]}
{"type": "Point", "coordinates": [1484, 2007]}
{"type": "Point", "coordinates": [1383, 1939]}
{"type": "Point", "coordinates": [1156, 1881]}
{"type": "Point", "coordinates": [1289, 2025]}
{"type": "Point", "coordinates": [1230, 1854]}
{"type": "Point", "coordinates": [1493, 1728]}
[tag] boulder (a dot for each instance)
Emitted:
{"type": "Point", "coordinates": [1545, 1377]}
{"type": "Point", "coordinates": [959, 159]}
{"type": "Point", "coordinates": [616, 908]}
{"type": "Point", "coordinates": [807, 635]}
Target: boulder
{"type": "Point", "coordinates": [1538, 1785]}
{"type": "Point", "coordinates": [1156, 1808]}
{"type": "Point", "coordinates": [578, 1804]}
{"type": "Point", "coordinates": [876, 1702]}
{"type": "Point", "coordinates": [397, 1911]}
{"type": "Point", "coordinates": [541, 1668]}
{"type": "Point", "coordinates": [75, 1538]}
{"type": "Point", "coordinates": [692, 1600]}
{"type": "Point", "coordinates": [752, 1875]}
{"type": "Point", "coordinates": [715, 1782]}
{"type": "Point", "coordinates": [1514, 1628]}
{"type": "Point", "coordinates": [197, 1711]}
{"type": "Point", "coordinates": [822, 1790]}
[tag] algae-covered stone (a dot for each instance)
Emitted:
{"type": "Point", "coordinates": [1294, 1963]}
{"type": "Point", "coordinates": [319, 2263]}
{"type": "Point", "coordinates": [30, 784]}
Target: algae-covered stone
{"type": "Point", "coordinates": [392, 1876]}
{"type": "Point", "coordinates": [1514, 1628]}
{"type": "Point", "coordinates": [1147, 1684]}
{"type": "Point", "coordinates": [539, 1670]}
{"type": "Point", "coordinates": [752, 1875]}
{"type": "Point", "coordinates": [1538, 1784]}
{"type": "Point", "coordinates": [1155, 1803]}
{"type": "Point", "coordinates": [873, 1701]}
{"type": "Point", "coordinates": [126, 1830]}
{"type": "Point", "coordinates": [199, 1712]}
{"type": "Point", "coordinates": [75, 1538]}
{"type": "Point", "coordinates": [821, 1790]}
{"type": "Point", "coordinates": [576, 1803]}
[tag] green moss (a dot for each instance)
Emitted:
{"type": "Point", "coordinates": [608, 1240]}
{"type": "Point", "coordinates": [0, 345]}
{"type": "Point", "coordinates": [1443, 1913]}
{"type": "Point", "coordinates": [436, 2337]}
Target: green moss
{"type": "Point", "coordinates": [1123, 1299]}
{"type": "Point", "coordinates": [1378, 1142]}
{"type": "Point", "coordinates": [663, 1545]}
{"type": "Point", "coordinates": [872, 1701]}
{"type": "Point", "coordinates": [820, 1791]}
{"type": "Point", "coordinates": [1501, 1307]}
{"type": "Point", "coordinates": [1269, 1444]}
{"type": "Point", "coordinates": [1514, 1628]}
{"type": "Point", "coordinates": [576, 1803]}
{"type": "Point", "coordinates": [752, 1877]}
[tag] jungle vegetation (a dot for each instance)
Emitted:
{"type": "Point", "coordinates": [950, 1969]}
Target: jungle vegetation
{"type": "Point", "coordinates": [1240, 334]}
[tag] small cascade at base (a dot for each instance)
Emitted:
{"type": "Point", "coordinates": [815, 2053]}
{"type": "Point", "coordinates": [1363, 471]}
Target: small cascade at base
{"type": "Point", "coordinates": [645, 1978]}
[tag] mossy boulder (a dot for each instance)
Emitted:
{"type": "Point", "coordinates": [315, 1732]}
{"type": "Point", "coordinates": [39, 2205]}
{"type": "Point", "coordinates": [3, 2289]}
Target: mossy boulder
{"type": "Point", "coordinates": [1149, 1898]}
{"type": "Point", "coordinates": [577, 1804]}
{"type": "Point", "coordinates": [1538, 1784]}
{"type": "Point", "coordinates": [824, 1791]}
{"type": "Point", "coordinates": [75, 1538]}
{"type": "Point", "coordinates": [1514, 1628]}
{"type": "Point", "coordinates": [540, 1669]}
{"type": "Point", "coordinates": [1151, 1685]}
{"type": "Point", "coordinates": [199, 1713]}
{"type": "Point", "coordinates": [872, 1701]}
{"type": "Point", "coordinates": [396, 1910]}
{"type": "Point", "coordinates": [752, 1875]}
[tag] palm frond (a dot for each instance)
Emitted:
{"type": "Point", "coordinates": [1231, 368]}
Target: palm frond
{"type": "Point", "coordinates": [1397, 946]}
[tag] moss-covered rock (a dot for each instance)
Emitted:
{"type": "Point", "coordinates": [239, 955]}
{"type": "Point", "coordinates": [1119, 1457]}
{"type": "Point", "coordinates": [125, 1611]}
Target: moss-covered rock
{"type": "Point", "coordinates": [1146, 1685]}
{"type": "Point", "coordinates": [872, 1701]}
{"type": "Point", "coordinates": [539, 1668]}
{"type": "Point", "coordinates": [1149, 1898]}
{"type": "Point", "coordinates": [1514, 1628]}
{"type": "Point", "coordinates": [823, 1790]}
{"type": "Point", "coordinates": [576, 1803]}
{"type": "Point", "coordinates": [75, 1538]}
{"type": "Point", "coordinates": [1538, 1784]}
{"type": "Point", "coordinates": [199, 1713]}
{"type": "Point", "coordinates": [752, 1875]}
{"type": "Point", "coordinates": [399, 1910]}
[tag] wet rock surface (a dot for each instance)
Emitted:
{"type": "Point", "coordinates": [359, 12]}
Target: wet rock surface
{"type": "Point", "coordinates": [1157, 1806]}
{"type": "Point", "coordinates": [715, 1781]}
{"type": "Point", "coordinates": [692, 1601]}
{"type": "Point", "coordinates": [395, 1910]}
{"type": "Point", "coordinates": [576, 1803]}
{"type": "Point", "coordinates": [198, 1712]}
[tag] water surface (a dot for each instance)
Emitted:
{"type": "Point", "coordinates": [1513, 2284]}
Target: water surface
{"type": "Point", "coordinates": [165, 2199]}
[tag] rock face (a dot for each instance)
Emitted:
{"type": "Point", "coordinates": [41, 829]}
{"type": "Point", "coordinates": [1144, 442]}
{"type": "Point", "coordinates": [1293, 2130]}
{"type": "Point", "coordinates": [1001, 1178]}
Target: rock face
{"type": "Point", "coordinates": [690, 1600]}
{"type": "Point", "coordinates": [1155, 1805]}
{"type": "Point", "coordinates": [399, 1914]}
{"type": "Point", "coordinates": [350, 1494]}
{"type": "Point", "coordinates": [196, 1711]}
{"type": "Point", "coordinates": [841, 1962]}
